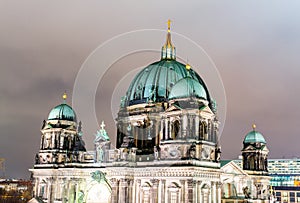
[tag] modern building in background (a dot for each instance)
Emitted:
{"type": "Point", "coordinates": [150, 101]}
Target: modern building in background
{"type": "Point", "coordinates": [284, 179]}
{"type": "Point", "coordinates": [167, 148]}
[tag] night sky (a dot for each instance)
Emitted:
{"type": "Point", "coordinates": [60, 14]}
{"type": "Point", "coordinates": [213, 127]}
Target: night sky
{"type": "Point", "coordinates": [43, 45]}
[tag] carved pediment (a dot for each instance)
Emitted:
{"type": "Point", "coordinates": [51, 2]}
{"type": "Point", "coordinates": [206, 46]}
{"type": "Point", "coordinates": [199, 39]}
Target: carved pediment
{"type": "Point", "coordinates": [249, 148]}
{"type": "Point", "coordinates": [204, 111]}
{"type": "Point", "coordinates": [173, 107]}
{"type": "Point", "coordinates": [233, 168]}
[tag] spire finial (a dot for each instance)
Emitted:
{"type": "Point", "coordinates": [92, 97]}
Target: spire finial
{"type": "Point", "coordinates": [169, 25]}
{"type": "Point", "coordinates": [64, 96]}
{"type": "Point", "coordinates": [254, 127]}
{"type": "Point", "coordinates": [102, 125]}
{"type": "Point", "coordinates": [168, 50]}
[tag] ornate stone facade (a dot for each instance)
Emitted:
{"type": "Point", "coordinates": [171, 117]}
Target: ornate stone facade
{"type": "Point", "coordinates": [167, 148]}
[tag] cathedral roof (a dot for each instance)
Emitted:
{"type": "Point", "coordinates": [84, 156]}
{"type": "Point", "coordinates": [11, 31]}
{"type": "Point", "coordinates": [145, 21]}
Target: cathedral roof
{"type": "Point", "coordinates": [62, 112]}
{"type": "Point", "coordinates": [158, 81]}
{"type": "Point", "coordinates": [254, 137]}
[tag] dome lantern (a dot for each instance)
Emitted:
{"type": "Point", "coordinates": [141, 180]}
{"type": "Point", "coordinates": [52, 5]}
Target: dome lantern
{"type": "Point", "coordinates": [168, 51]}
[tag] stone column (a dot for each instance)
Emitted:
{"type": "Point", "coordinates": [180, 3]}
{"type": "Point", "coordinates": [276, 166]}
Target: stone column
{"type": "Point", "coordinates": [50, 190]}
{"type": "Point", "coordinates": [218, 187]}
{"type": "Point", "coordinates": [163, 191]}
{"type": "Point", "coordinates": [134, 191]}
{"type": "Point", "coordinates": [35, 187]}
{"type": "Point", "coordinates": [58, 188]}
{"type": "Point", "coordinates": [169, 136]}
{"type": "Point", "coordinates": [129, 191]}
{"type": "Point", "coordinates": [184, 125]}
{"type": "Point", "coordinates": [197, 127]}
{"type": "Point", "coordinates": [161, 132]}
{"type": "Point", "coordinates": [64, 194]}
{"type": "Point", "coordinates": [199, 197]}
{"type": "Point", "coordinates": [182, 198]}
{"type": "Point", "coordinates": [138, 190]}
{"type": "Point", "coordinates": [195, 194]}
{"type": "Point", "coordinates": [70, 191]}
{"type": "Point", "coordinates": [42, 142]}
{"type": "Point", "coordinates": [53, 140]}
{"type": "Point", "coordinates": [114, 191]}
{"type": "Point", "coordinates": [122, 191]}
{"type": "Point", "coordinates": [157, 132]}
{"type": "Point", "coordinates": [213, 192]}
{"type": "Point", "coordinates": [191, 126]}
{"type": "Point", "coordinates": [159, 191]}
{"type": "Point", "coordinates": [166, 137]}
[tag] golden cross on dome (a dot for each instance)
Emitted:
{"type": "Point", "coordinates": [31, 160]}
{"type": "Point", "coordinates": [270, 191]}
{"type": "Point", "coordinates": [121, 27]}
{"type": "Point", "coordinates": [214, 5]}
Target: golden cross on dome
{"type": "Point", "coordinates": [169, 25]}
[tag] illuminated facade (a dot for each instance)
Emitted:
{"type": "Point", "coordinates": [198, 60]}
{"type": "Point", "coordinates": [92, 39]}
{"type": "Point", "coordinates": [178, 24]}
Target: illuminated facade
{"type": "Point", "coordinates": [167, 145]}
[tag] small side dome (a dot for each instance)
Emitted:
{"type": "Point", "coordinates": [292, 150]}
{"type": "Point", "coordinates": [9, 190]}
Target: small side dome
{"type": "Point", "coordinates": [62, 112]}
{"type": "Point", "coordinates": [254, 137]}
{"type": "Point", "coordinates": [187, 87]}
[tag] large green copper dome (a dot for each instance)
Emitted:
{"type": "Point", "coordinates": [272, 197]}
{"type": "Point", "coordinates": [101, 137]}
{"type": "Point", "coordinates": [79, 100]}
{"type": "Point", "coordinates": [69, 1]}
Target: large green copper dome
{"type": "Point", "coordinates": [62, 112]}
{"type": "Point", "coordinates": [254, 137]}
{"type": "Point", "coordinates": [155, 82]}
{"type": "Point", "coordinates": [165, 80]}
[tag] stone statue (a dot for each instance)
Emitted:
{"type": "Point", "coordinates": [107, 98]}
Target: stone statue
{"type": "Point", "coordinates": [156, 153]}
{"type": "Point", "coordinates": [192, 151]}
{"type": "Point", "coordinates": [44, 124]}
{"type": "Point", "coordinates": [99, 176]}
{"type": "Point", "coordinates": [80, 196]}
{"type": "Point", "coordinates": [100, 154]}
{"type": "Point", "coordinates": [37, 161]}
{"type": "Point", "coordinates": [218, 154]}
{"type": "Point", "coordinates": [246, 192]}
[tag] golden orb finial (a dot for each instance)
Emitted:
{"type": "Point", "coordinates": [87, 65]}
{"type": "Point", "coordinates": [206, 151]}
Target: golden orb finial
{"type": "Point", "coordinates": [188, 66]}
{"type": "Point", "coordinates": [254, 126]}
{"type": "Point", "coordinates": [64, 96]}
{"type": "Point", "coordinates": [169, 25]}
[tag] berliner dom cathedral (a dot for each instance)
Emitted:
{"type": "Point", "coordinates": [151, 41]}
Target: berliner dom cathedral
{"type": "Point", "coordinates": [167, 147]}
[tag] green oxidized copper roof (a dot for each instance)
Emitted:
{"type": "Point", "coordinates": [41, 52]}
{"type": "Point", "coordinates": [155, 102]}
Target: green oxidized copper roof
{"type": "Point", "coordinates": [187, 87]}
{"type": "Point", "coordinates": [156, 81]}
{"type": "Point", "coordinates": [62, 112]}
{"type": "Point", "coordinates": [254, 137]}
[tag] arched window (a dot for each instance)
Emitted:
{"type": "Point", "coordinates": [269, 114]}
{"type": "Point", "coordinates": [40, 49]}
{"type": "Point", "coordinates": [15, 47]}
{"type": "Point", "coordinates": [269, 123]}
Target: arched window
{"type": "Point", "coordinates": [175, 129]}
{"type": "Point", "coordinates": [146, 192]}
{"type": "Point", "coordinates": [205, 190]}
{"type": "Point", "coordinates": [173, 193]}
{"type": "Point", "coordinates": [43, 189]}
{"type": "Point", "coordinates": [203, 131]}
{"type": "Point", "coordinates": [251, 162]}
